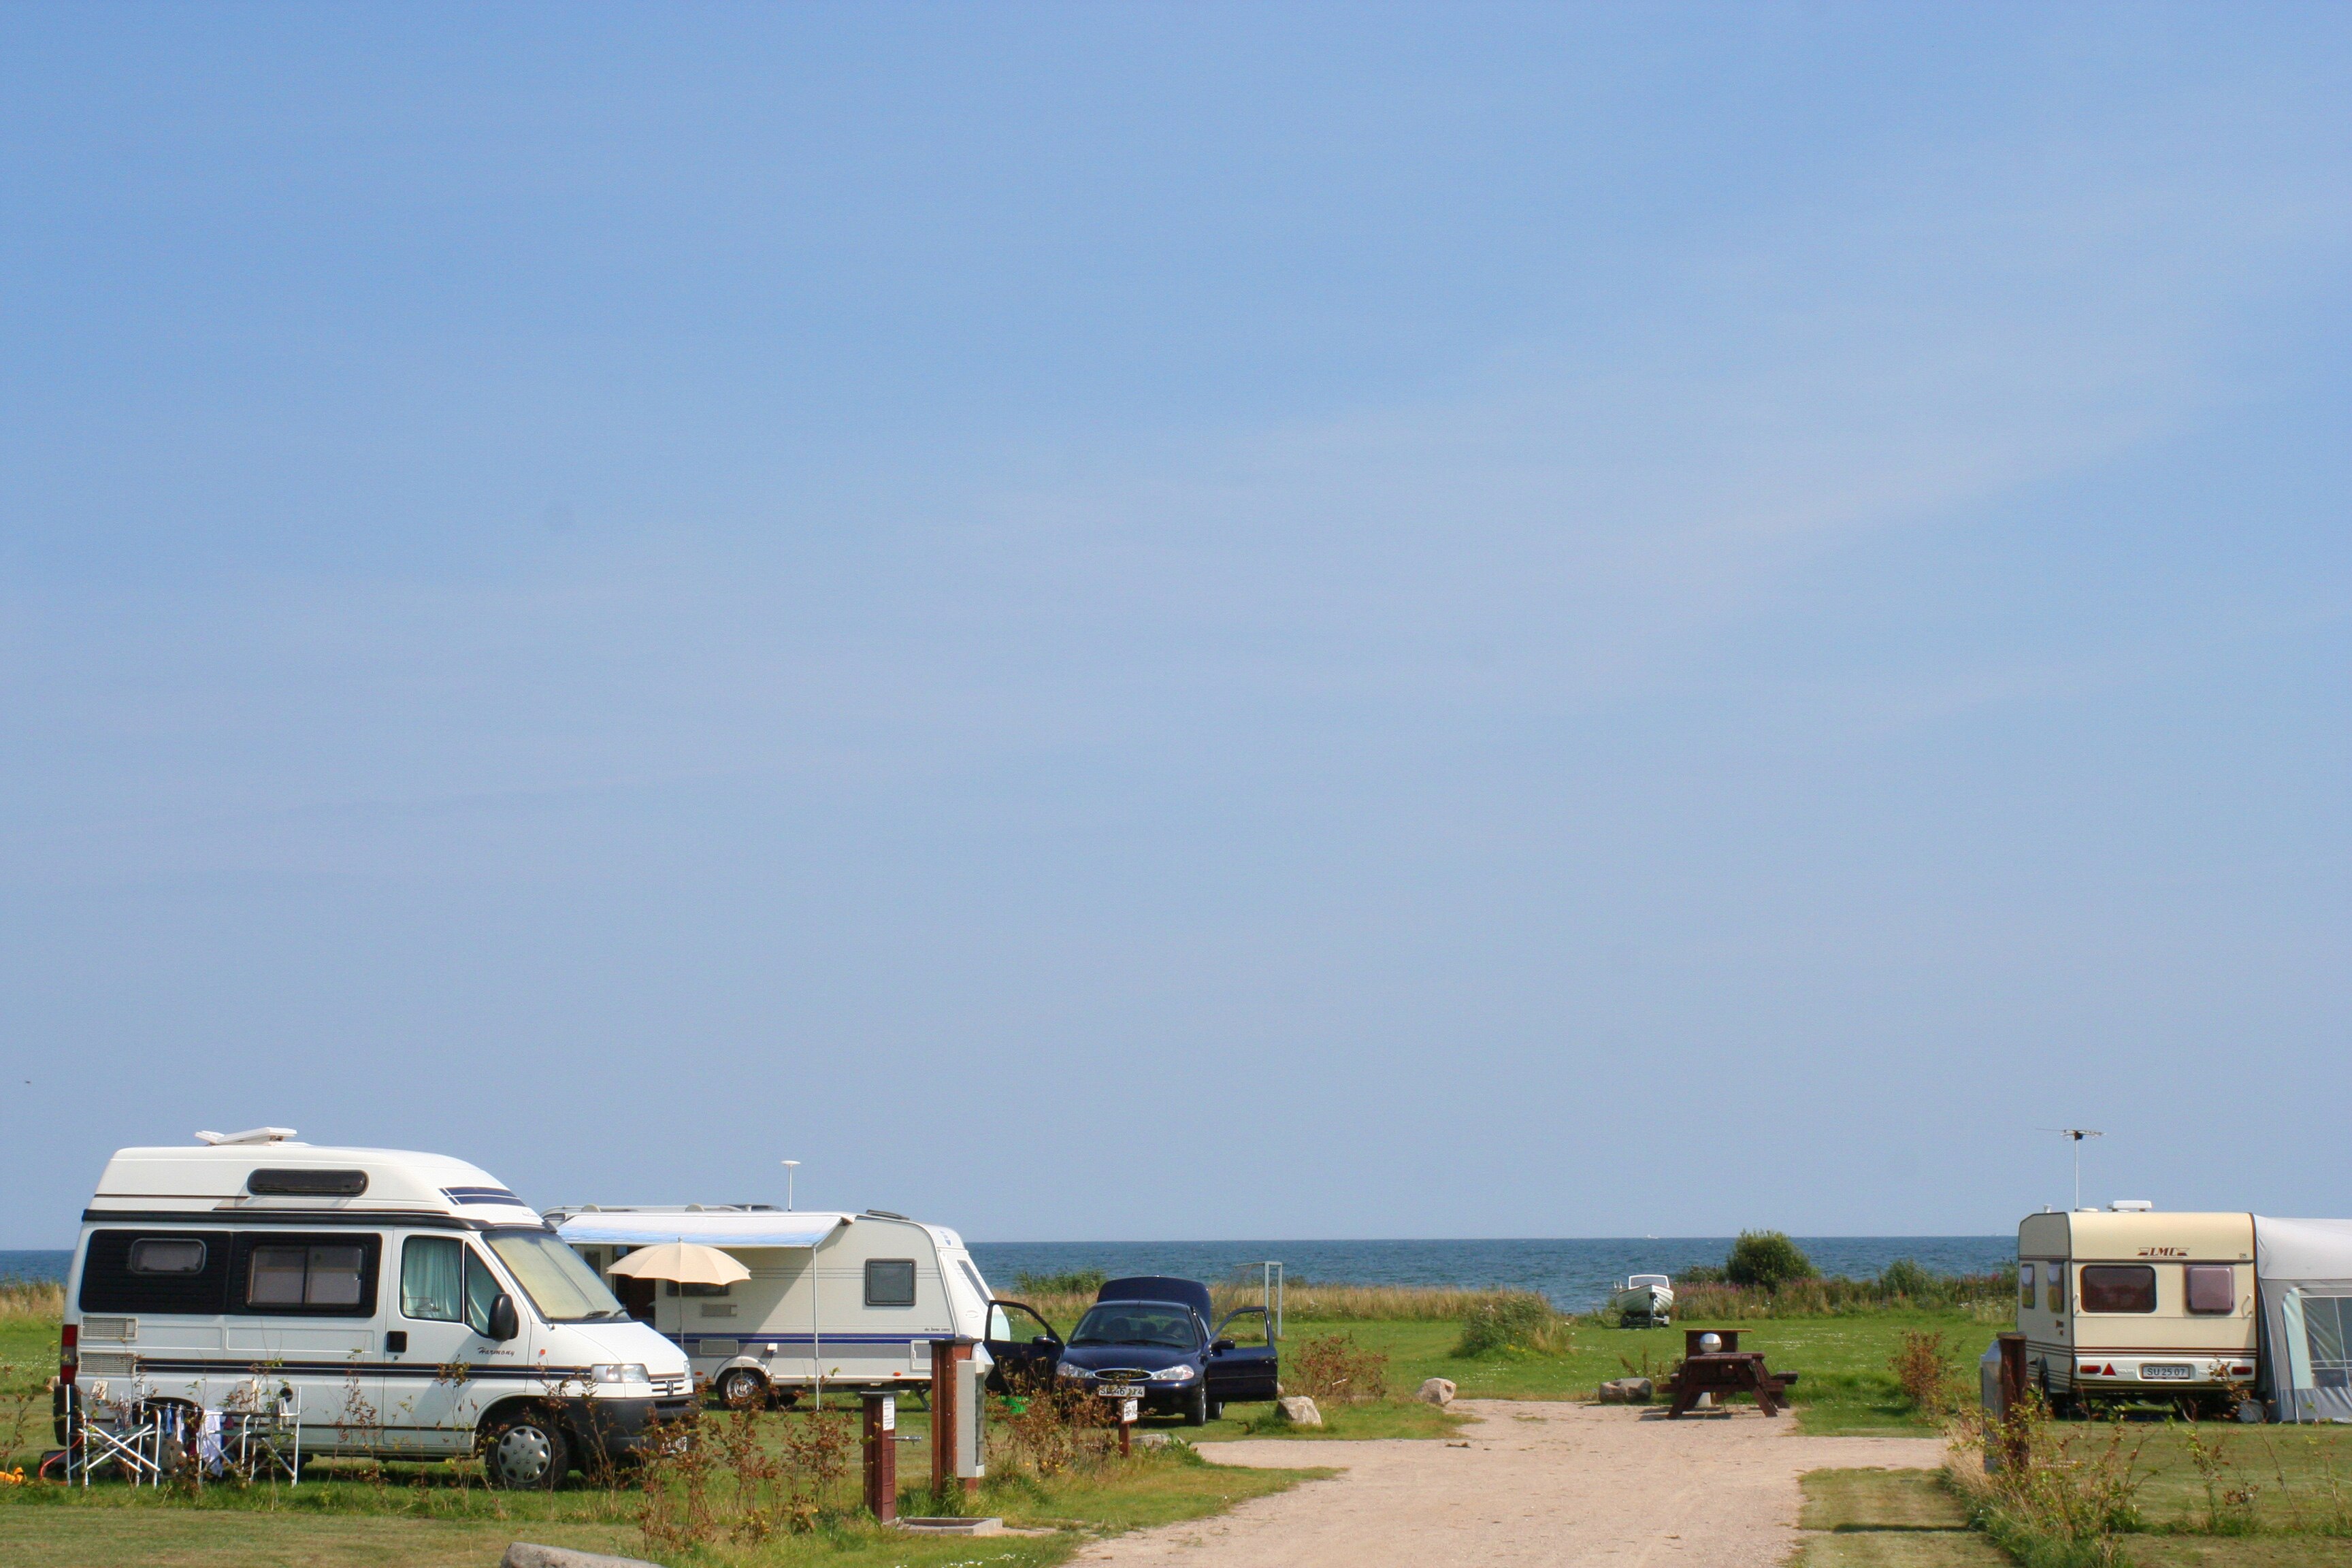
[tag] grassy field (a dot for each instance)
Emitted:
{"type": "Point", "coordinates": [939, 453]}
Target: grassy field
{"type": "Point", "coordinates": [1843, 1386]}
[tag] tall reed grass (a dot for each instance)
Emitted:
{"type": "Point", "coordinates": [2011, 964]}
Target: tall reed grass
{"type": "Point", "coordinates": [1895, 1291]}
{"type": "Point", "coordinates": [32, 1299]}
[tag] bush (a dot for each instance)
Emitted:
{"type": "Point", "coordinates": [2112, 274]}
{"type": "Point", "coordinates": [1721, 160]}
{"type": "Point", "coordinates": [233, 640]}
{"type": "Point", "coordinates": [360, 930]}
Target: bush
{"type": "Point", "coordinates": [1072, 1283]}
{"type": "Point", "coordinates": [1925, 1371]}
{"type": "Point", "coordinates": [1906, 1279]}
{"type": "Point", "coordinates": [1335, 1369]}
{"type": "Point", "coordinates": [1700, 1274]}
{"type": "Point", "coordinates": [1767, 1259]}
{"type": "Point", "coordinates": [1518, 1321]}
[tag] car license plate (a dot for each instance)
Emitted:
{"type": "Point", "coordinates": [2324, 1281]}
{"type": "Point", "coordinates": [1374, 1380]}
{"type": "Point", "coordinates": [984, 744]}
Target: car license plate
{"type": "Point", "coordinates": [2171, 1369]}
{"type": "Point", "coordinates": [1121, 1391]}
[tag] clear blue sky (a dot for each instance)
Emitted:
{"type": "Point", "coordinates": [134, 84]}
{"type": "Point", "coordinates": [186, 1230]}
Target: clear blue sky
{"type": "Point", "coordinates": [1129, 622]}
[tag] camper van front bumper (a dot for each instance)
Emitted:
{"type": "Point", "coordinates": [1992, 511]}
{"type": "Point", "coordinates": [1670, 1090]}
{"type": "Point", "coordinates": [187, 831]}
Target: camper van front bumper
{"type": "Point", "coordinates": [619, 1425]}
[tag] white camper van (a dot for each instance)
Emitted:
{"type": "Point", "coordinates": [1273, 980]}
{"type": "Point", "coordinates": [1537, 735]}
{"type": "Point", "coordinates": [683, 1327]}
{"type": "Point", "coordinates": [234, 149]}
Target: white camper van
{"type": "Point", "coordinates": [853, 1299]}
{"type": "Point", "coordinates": [397, 1305]}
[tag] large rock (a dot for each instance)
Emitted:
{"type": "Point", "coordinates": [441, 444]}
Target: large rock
{"type": "Point", "coordinates": [1627, 1391]}
{"type": "Point", "coordinates": [1437, 1391]}
{"type": "Point", "coordinates": [1298, 1411]}
{"type": "Point", "coordinates": [529, 1555]}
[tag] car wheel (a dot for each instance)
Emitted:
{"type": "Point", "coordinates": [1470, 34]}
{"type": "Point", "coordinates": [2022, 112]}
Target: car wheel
{"type": "Point", "coordinates": [741, 1388]}
{"type": "Point", "coordinates": [526, 1452]}
{"type": "Point", "coordinates": [1196, 1408]}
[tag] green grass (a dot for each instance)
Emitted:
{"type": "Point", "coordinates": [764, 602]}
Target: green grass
{"type": "Point", "coordinates": [1888, 1519]}
{"type": "Point", "coordinates": [1845, 1386]}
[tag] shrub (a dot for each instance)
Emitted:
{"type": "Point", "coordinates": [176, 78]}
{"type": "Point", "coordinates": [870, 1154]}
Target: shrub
{"type": "Point", "coordinates": [1070, 1282]}
{"type": "Point", "coordinates": [1906, 1279]}
{"type": "Point", "coordinates": [1335, 1368]}
{"type": "Point", "coordinates": [1701, 1274]}
{"type": "Point", "coordinates": [1766, 1258]}
{"type": "Point", "coordinates": [1925, 1370]}
{"type": "Point", "coordinates": [1519, 1321]}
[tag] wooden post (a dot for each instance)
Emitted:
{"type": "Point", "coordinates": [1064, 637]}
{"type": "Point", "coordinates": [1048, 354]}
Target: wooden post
{"type": "Point", "coordinates": [2015, 1386]}
{"type": "Point", "coordinates": [882, 1455]}
{"type": "Point", "coordinates": [945, 1355]}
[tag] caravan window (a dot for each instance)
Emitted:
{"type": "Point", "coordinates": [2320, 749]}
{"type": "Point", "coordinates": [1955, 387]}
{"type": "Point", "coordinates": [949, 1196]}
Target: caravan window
{"type": "Point", "coordinates": [890, 1281]}
{"type": "Point", "coordinates": [2212, 1288]}
{"type": "Point", "coordinates": [2119, 1288]}
{"type": "Point", "coordinates": [2025, 1286]}
{"type": "Point", "coordinates": [173, 1256]}
{"type": "Point", "coordinates": [2053, 1279]}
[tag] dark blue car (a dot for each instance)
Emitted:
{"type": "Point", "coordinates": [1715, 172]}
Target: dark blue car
{"type": "Point", "coordinates": [1149, 1339]}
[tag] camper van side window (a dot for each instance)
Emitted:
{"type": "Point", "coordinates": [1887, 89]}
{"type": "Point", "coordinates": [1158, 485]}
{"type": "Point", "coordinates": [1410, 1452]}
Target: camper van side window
{"type": "Point", "coordinates": [2119, 1288]}
{"type": "Point", "coordinates": [2025, 1286]}
{"type": "Point", "coordinates": [2212, 1288]}
{"type": "Point", "coordinates": [330, 1276]}
{"type": "Point", "coordinates": [172, 1257]}
{"type": "Point", "coordinates": [890, 1281]}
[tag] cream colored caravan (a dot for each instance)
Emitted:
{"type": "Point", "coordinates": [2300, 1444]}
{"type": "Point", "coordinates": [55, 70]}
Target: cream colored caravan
{"type": "Point", "coordinates": [2130, 1304]}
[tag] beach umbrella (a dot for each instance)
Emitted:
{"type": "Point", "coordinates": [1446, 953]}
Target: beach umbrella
{"type": "Point", "coordinates": [685, 1262]}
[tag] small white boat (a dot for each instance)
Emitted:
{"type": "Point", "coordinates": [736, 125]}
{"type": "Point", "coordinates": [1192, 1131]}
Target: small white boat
{"type": "Point", "coordinates": [1646, 1300]}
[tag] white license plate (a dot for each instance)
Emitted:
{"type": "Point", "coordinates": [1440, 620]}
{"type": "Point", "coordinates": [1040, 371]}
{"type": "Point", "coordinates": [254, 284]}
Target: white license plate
{"type": "Point", "coordinates": [2167, 1370]}
{"type": "Point", "coordinates": [1121, 1391]}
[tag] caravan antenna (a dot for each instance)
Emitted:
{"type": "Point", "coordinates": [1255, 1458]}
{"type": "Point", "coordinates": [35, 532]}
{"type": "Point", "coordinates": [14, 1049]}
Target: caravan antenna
{"type": "Point", "coordinates": [2075, 1135]}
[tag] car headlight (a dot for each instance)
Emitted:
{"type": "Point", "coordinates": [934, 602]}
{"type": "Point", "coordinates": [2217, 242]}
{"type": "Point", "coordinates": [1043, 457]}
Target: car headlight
{"type": "Point", "coordinates": [621, 1372]}
{"type": "Point", "coordinates": [1070, 1369]}
{"type": "Point", "coordinates": [1171, 1373]}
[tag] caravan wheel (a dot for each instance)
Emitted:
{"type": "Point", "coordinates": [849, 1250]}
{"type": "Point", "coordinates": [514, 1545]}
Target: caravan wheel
{"type": "Point", "coordinates": [741, 1388]}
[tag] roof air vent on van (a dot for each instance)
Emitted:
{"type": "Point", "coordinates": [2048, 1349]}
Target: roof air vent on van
{"type": "Point", "coordinates": [2130, 1205]}
{"type": "Point", "coordinates": [306, 1183]}
{"type": "Point", "coordinates": [250, 1135]}
{"type": "Point", "coordinates": [886, 1214]}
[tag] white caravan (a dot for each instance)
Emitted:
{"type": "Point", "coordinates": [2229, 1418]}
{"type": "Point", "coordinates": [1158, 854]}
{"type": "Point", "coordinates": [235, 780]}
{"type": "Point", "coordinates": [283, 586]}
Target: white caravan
{"type": "Point", "coordinates": [399, 1305]}
{"type": "Point", "coordinates": [853, 1299]}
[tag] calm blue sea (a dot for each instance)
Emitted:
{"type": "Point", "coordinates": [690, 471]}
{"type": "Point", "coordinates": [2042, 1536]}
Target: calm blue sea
{"type": "Point", "coordinates": [1576, 1273]}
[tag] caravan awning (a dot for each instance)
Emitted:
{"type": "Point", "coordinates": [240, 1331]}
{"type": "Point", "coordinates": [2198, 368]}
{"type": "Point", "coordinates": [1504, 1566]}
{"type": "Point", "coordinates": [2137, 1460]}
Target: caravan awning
{"type": "Point", "coordinates": [704, 1229]}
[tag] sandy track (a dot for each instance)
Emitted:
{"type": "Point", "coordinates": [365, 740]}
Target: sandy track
{"type": "Point", "coordinates": [1539, 1483]}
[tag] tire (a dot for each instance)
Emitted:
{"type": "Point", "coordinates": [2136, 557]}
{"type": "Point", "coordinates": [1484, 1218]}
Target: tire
{"type": "Point", "coordinates": [741, 1388]}
{"type": "Point", "coordinates": [1196, 1407]}
{"type": "Point", "coordinates": [526, 1451]}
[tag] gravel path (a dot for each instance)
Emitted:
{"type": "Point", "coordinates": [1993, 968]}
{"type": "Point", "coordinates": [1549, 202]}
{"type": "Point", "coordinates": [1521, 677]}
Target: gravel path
{"type": "Point", "coordinates": [1537, 1483]}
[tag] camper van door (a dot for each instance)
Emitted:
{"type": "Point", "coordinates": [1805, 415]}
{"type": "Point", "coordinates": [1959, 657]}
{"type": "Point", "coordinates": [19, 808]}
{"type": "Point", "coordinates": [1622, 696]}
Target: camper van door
{"type": "Point", "coordinates": [446, 1370]}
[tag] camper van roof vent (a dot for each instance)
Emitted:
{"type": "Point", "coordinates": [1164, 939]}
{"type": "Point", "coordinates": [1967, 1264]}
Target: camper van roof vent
{"type": "Point", "coordinates": [250, 1135]}
{"type": "Point", "coordinates": [886, 1214]}
{"type": "Point", "coordinates": [2131, 1206]}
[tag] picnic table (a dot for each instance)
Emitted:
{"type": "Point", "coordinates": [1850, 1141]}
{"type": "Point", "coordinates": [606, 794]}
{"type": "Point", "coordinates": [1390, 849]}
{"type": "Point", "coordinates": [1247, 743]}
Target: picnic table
{"type": "Point", "coordinates": [1725, 1370]}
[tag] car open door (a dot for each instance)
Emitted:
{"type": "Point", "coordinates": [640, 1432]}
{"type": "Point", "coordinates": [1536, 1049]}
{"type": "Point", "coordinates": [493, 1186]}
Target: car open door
{"type": "Point", "coordinates": [1025, 1346]}
{"type": "Point", "coordinates": [1243, 1361]}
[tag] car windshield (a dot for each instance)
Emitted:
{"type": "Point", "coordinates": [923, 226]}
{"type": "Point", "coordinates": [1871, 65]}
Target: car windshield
{"type": "Point", "coordinates": [1135, 1323]}
{"type": "Point", "coordinates": [563, 1289]}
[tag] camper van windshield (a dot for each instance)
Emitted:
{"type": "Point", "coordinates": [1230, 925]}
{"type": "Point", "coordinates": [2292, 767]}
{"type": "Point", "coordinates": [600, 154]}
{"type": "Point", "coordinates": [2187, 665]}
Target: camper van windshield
{"type": "Point", "coordinates": [560, 1284]}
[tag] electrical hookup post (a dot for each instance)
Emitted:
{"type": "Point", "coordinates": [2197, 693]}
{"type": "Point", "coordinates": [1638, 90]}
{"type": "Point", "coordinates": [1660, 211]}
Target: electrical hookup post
{"type": "Point", "coordinates": [958, 1411]}
{"type": "Point", "coordinates": [1125, 1423]}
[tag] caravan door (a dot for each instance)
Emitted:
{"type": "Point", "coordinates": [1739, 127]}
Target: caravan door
{"type": "Point", "coordinates": [446, 1369]}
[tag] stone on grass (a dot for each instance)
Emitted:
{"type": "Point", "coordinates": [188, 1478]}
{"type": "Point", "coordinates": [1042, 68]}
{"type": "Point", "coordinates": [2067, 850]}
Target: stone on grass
{"type": "Point", "coordinates": [1627, 1391]}
{"type": "Point", "coordinates": [1437, 1391]}
{"type": "Point", "coordinates": [531, 1554]}
{"type": "Point", "coordinates": [1298, 1411]}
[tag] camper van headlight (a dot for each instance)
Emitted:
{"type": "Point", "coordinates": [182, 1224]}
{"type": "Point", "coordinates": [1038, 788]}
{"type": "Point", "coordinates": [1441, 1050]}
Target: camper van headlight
{"type": "Point", "coordinates": [621, 1372]}
{"type": "Point", "coordinates": [1176, 1374]}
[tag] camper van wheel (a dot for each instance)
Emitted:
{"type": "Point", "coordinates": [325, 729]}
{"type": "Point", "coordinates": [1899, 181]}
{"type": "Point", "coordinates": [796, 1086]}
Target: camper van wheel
{"type": "Point", "coordinates": [525, 1451]}
{"type": "Point", "coordinates": [741, 1388]}
{"type": "Point", "coordinates": [1196, 1408]}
